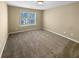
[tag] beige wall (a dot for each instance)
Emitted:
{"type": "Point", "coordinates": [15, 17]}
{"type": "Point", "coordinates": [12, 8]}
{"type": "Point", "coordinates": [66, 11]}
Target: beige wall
{"type": "Point", "coordinates": [14, 19]}
{"type": "Point", "coordinates": [3, 26]}
{"type": "Point", "coordinates": [63, 19]}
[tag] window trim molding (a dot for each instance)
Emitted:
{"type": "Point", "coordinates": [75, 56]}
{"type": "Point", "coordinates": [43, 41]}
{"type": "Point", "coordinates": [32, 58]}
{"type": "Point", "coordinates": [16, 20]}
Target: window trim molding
{"type": "Point", "coordinates": [27, 24]}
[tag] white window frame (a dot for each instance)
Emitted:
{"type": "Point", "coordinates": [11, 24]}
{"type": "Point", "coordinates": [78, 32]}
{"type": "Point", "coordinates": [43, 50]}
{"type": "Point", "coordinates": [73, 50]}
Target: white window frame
{"type": "Point", "coordinates": [27, 24]}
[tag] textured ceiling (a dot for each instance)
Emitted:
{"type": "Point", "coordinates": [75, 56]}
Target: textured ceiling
{"type": "Point", "coordinates": [35, 5]}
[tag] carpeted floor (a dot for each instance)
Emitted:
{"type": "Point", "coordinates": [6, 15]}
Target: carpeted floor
{"type": "Point", "coordinates": [39, 44]}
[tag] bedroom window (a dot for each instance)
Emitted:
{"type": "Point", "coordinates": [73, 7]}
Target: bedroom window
{"type": "Point", "coordinates": [28, 18]}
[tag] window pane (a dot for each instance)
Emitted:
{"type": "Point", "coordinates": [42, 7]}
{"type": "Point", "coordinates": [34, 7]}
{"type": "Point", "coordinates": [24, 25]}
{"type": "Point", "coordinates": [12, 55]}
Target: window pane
{"type": "Point", "coordinates": [27, 18]}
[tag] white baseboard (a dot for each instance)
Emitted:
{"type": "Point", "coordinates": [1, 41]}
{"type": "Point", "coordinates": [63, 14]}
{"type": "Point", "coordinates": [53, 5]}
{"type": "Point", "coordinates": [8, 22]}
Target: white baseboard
{"type": "Point", "coordinates": [60, 35]}
{"type": "Point", "coordinates": [24, 30]}
{"type": "Point", "coordinates": [3, 46]}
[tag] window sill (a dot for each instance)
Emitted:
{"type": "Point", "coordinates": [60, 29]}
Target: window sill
{"type": "Point", "coordinates": [27, 25]}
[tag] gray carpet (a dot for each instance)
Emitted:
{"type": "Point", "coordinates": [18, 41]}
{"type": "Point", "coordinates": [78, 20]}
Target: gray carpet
{"type": "Point", "coordinates": [39, 44]}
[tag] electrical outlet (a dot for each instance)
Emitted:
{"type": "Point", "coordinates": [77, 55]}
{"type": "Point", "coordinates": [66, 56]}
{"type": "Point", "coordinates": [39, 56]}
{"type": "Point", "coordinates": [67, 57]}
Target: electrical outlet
{"type": "Point", "coordinates": [16, 28]}
{"type": "Point", "coordinates": [64, 32]}
{"type": "Point", "coordinates": [71, 34]}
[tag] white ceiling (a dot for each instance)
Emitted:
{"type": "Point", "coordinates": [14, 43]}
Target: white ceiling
{"type": "Point", "coordinates": [35, 5]}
